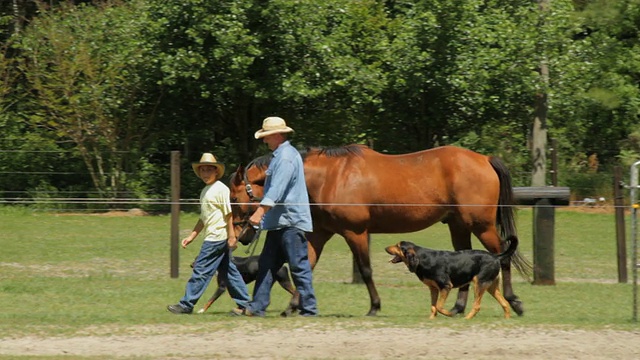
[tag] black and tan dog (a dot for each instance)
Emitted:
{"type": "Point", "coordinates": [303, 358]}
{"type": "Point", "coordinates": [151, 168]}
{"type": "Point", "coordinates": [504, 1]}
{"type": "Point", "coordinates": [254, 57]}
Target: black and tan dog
{"type": "Point", "coordinates": [248, 268]}
{"type": "Point", "coordinates": [443, 271]}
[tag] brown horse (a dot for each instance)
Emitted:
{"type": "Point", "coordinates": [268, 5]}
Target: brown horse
{"type": "Point", "coordinates": [355, 191]}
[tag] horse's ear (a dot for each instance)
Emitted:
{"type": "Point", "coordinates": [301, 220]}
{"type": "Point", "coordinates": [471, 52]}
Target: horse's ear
{"type": "Point", "coordinates": [236, 179]}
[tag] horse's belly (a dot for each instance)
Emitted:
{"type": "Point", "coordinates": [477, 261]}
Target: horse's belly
{"type": "Point", "coordinates": [403, 221]}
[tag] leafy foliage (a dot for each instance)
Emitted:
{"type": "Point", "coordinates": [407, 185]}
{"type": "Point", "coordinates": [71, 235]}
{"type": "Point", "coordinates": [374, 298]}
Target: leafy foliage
{"type": "Point", "coordinates": [82, 68]}
{"type": "Point", "coordinates": [116, 86]}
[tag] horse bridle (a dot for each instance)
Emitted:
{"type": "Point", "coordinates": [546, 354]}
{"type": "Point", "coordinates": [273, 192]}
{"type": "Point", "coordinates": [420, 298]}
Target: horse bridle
{"type": "Point", "coordinates": [245, 221]}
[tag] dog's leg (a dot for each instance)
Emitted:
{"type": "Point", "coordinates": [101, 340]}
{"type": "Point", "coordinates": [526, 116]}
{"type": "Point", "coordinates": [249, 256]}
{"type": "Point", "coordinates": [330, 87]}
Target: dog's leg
{"type": "Point", "coordinates": [222, 287]}
{"type": "Point", "coordinates": [444, 293]}
{"type": "Point", "coordinates": [478, 290]}
{"type": "Point", "coordinates": [494, 290]}
{"type": "Point", "coordinates": [434, 301]}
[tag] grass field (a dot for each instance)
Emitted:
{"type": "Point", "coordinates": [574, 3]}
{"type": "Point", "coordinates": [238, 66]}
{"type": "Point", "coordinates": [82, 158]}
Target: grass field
{"type": "Point", "coordinates": [74, 274]}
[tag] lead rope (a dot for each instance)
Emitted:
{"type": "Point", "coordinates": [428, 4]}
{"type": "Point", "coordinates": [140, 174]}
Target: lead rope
{"type": "Point", "coordinates": [253, 244]}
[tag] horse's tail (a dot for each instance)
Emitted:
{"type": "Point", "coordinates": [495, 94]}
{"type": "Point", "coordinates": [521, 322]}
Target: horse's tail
{"type": "Point", "coordinates": [506, 212]}
{"type": "Point", "coordinates": [511, 249]}
{"type": "Point", "coordinates": [505, 218]}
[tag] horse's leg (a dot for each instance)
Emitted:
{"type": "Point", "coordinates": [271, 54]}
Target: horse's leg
{"type": "Point", "coordinates": [492, 242]}
{"type": "Point", "coordinates": [507, 288]}
{"type": "Point", "coordinates": [315, 243]}
{"type": "Point", "coordinates": [461, 240]}
{"type": "Point", "coordinates": [359, 245]}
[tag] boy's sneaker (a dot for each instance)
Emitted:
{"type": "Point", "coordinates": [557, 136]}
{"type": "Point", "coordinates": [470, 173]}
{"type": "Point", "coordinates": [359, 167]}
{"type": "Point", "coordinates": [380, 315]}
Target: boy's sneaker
{"type": "Point", "coordinates": [178, 309]}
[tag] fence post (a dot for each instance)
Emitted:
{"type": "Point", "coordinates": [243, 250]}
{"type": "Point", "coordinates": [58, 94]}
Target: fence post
{"type": "Point", "coordinates": [175, 213]}
{"type": "Point", "coordinates": [544, 200]}
{"type": "Point", "coordinates": [543, 243]}
{"type": "Point", "coordinates": [618, 202]}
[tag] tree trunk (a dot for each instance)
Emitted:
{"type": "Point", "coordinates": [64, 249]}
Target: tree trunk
{"type": "Point", "coordinates": [17, 16]}
{"type": "Point", "coordinates": [539, 131]}
{"type": "Point", "coordinates": [539, 144]}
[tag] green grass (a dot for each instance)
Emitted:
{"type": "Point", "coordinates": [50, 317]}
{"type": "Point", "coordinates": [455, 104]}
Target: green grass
{"type": "Point", "coordinates": [78, 274]}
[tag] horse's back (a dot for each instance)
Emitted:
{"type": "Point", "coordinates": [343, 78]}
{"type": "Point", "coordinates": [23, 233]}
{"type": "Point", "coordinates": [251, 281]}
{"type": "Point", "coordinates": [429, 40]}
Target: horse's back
{"type": "Point", "coordinates": [399, 193]}
{"type": "Point", "coordinates": [444, 173]}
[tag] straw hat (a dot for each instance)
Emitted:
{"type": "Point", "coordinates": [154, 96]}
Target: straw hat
{"type": "Point", "coordinates": [272, 125]}
{"type": "Point", "coordinates": [209, 159]}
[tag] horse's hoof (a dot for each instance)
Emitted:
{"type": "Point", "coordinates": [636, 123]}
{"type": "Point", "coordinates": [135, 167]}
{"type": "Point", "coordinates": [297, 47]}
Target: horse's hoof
{"type": "Point", "coordinates": [456, 309]}
{"type": "Point", "coordinates": [372, 312]}
{"type": "Point", "coordinates": [201, 311]}
{"type": "Point", "coordinates": [288, 313]}
{"type": "Point", "coordinates": [517, 306]}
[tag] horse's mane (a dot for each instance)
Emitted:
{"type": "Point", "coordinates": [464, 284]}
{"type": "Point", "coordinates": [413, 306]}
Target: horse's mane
{"type": "Point", "coordinates": [262, 161]}
{"type": "Point", "coordinates": [346, 150]}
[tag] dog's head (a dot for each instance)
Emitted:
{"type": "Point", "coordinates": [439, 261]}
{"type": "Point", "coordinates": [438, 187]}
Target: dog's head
{"type": "Point", "coordinates": [405, 252]}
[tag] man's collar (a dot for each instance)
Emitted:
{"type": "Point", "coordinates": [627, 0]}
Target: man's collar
{"type": "Point", "coordinates": [282, 145]}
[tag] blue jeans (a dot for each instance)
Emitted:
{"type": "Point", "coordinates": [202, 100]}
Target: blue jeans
{"type": "Point", "coordinates": [284, 245]}
{"type": "Point", "coordinates": [214, 255]}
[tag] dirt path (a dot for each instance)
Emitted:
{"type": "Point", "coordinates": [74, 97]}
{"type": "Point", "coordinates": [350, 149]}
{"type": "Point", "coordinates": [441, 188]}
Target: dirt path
{"type": "Point", "coordinates": [307, 343]}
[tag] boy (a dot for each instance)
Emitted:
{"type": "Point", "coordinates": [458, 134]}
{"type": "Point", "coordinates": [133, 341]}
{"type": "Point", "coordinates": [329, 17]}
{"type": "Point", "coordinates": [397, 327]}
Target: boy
{"type": "Point", "coordinates": [219, 240]}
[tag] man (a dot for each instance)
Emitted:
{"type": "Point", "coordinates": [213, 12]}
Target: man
{"type": "Point", "coordinates": [219, 240]}
{"type": "Point", "coordinates": [284, 212]}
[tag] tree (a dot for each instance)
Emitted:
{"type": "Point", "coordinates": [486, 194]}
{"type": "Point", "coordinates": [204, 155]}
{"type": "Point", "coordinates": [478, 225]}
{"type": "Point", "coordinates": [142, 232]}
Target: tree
{"type": "Point", "coordinates": [228, 65]}
{"type": "Point", "coordinates": [83, 67]}
{"type": "Point", "coordinates": [323, 63]}
{"type": "Point", "coordinates": [459, 69]}
{"type": "Point", "coordinates": [105, 80]}
{"type": "Point", "coordinates": [596, 94]}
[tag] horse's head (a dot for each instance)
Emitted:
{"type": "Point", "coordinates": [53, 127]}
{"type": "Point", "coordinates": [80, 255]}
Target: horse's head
{"type": "Point", "coordinates": [247, 188]}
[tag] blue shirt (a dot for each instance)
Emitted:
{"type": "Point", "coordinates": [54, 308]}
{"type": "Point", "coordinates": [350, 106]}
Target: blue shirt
{"type": "Point", "coordinates": [285, 191]}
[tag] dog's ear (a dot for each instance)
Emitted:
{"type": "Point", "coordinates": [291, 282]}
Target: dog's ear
{"type": "Point", "coordinates": [412, 259]}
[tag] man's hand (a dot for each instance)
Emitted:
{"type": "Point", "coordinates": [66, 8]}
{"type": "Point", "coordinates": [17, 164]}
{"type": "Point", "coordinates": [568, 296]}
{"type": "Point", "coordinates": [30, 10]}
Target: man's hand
{"type": "Point", "coordinates": [255, 219]}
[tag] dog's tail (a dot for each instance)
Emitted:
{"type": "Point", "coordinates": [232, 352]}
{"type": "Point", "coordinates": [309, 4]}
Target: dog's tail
{"type": "Point", "coordinates": [513, 245]}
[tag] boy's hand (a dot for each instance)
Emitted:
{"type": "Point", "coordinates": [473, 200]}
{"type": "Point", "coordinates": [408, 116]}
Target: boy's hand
{"type": "Point", "coordinates": [186, 241]}
{"type": "Point", "coordinates": [232, 242]}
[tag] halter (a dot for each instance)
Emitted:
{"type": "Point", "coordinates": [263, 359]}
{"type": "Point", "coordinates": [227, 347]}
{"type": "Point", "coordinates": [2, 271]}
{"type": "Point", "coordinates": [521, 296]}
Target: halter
{"type": "Point", "coordinates": [247, 185]}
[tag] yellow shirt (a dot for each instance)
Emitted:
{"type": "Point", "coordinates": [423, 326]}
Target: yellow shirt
{"type": "Point", "coordinates": [214, 208]}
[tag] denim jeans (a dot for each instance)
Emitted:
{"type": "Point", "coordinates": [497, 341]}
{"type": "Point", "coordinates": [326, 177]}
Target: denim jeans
{"type": "Point", "coordinates": [284, 245]}
{"type": "Point", "coordinates": [214, 255]}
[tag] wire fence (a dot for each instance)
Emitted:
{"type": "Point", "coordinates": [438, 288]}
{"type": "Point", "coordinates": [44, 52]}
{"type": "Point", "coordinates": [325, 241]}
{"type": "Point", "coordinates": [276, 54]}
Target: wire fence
{"type": "Point", "coordinates": [80, 204]}
{"type": "Point", "coordinates": [65, 199]}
